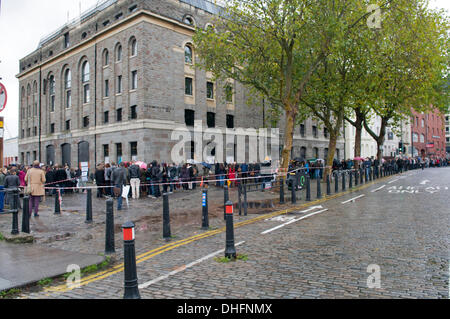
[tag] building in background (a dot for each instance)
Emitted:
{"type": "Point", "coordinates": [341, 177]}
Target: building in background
{"type": "Point", "coordinates": [428, 134]}
{"type": "Point", "coordinates": [114, 84]}
{"type": "Point", "coordinates": [447, 134]}
{"type": "Point", "coordinates": [10, 151]}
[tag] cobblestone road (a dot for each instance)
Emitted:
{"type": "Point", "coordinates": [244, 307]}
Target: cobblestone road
{"type": "Point", "coordinates": [400, 224]}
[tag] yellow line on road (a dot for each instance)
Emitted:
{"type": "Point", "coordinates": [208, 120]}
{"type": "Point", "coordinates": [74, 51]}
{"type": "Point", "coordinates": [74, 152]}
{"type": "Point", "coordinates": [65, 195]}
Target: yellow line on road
{"type": "Point", "coordinates": [160, 250]}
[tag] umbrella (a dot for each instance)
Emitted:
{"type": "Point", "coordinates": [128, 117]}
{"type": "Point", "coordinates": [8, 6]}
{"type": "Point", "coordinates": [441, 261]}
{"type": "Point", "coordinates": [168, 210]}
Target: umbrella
{"type": "Point", "coordinates": [141, 165]}
{"type": "Point", "coordinates": [206, 165]}
{"type": "Point", "coordinates": [358, 159]}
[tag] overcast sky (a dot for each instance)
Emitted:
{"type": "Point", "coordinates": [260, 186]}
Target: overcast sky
{"type": "Point", "coordinates": [24, 22]}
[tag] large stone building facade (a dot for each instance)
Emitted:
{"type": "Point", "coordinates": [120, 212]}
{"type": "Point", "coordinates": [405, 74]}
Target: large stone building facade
{"type": "Point", "coordinates": [113, 86]}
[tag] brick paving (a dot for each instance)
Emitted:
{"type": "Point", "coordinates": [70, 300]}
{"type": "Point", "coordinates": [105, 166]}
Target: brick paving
{"type": "Point", "coordinates": [324, 256]}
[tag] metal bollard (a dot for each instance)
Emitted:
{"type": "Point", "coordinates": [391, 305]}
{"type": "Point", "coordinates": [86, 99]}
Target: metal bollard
{"type": "Point", "coordinates": [319, 188]}
{"type": "Point", "coordinates": [336, 182]}
{"type": "Point", "coordinates": [15, 212]}
{"type": "Point", "coordinates": [109, 237]}
{"type": "Point", "coordinates": [328, 185]}
{"type": "Point", "coordinates": [226, 197]}
{"type": "Point", "coordinates": [230, 249]}
{"type": "Point", "coordinates": [57, 204]}
{"type": "Point", "coordinates": [245, 201]}
{"type": "Point", "coordinates": [282, 192]}
{"type": "Point", "coordinates": [89, 206]}
{"type": "Point", "coordinates": [129, 250]}
{"type": "Point", "coordinates": [370, 174]}
{"type": "Point", "coordinates": [26, 215]}
{"type": "Point", "coordinates": [350, 182]}
{"type": "Point", "coordinates": [240, 198]}
{"type": "Point", "coordinates": [361, 176]}
{"type": "Point", "coordinates": [356, 177]}
{"type": "Point", "coordinates": [205, 218]}
{"type": "Point", "coordinates": [294, 192]}
{"type": "Point", "coordinates": [343, 182]}
{"type": "Point", "coordinates": [308, 188]}
{"type": "Point", "coordinates": [166, 217]}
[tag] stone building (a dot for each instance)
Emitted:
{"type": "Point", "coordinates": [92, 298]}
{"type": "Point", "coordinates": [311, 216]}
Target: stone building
{"type": "Point", "coordinates": [114, 84]}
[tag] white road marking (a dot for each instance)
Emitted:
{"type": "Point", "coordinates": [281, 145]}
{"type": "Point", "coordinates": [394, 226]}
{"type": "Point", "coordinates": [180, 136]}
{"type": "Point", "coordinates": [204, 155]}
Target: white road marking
{"type": "Point", "coordinates": [425, 182]}
{"type": "Point", "coordinates": [353, 199]}
{"type": "Point", "coordinates": [395, 180]}
{"type": "Point", "coordinates": [292, 221]}
{"type": "Point", "coordinates": [154, 281]}
{"type": "Point", "coordinates": [376, 190]}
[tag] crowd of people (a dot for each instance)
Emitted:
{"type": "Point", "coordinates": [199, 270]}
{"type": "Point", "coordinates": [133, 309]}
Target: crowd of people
{"type": "Point", "coordinates": [154, 179]}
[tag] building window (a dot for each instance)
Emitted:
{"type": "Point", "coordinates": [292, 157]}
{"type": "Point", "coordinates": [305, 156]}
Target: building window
{"type": "Point", "coordinates": [86, 121]}
{"type": "Point", "coordinates": [423, 123]}
{"type": "Point", "coordinates": [119, 152]}
{"type": "Point", "coordinates": [68, 125]}
{"type": "Point", "coordinates": [314, 129]}
{"type": "Point", "coordinates": [105, 150]}
{"type": "Point", "coordinates": [302, 130]}
{"type": "Point", "coordinates": [119, 115]}
{"type": "Point", "coordinates": [316, 152]}
{"type": "Point", "coordinates": [210, 90]}
{"type": "Point", "coordinates": [86, 94]}
{"type": "Point", "coordinates": [133, 112]}
{"type": "Point", "coordinates": [28, 132]}
{"type": "Point", "coordinates": [119, 84]}
{"type": "Point", "coordinates": [51, 92]}
{"type": "Point", "coordinates": [23, 134]}
{"type": "Point", "coordinates": [229, 93]}
{"type": "Point", "coordinates": [189, 117]}
{"type": "Point", "coordinates": [211, 119]}
{"type": "Point", "coordinates": [133, 149]}
{"type": "Point", "coordinates": [106, 117]}
{"type": "Point", "coordinates": [422, 138]}
{"type": "Point", "coordinates": [68, 99]}
{"type": "Point", "coordinates": [132, 8]}
{"type": "Point", "coordinates": [189, 21]}
{"type": "Point", "coordinates": [188, 86]}
{"type": "Point", "coordinates": [35, 131]}
{"type": "Point", "coordinates": [133, 47]}
{"type": "Point", "coordinates": [68, 79]}
{"type": "Point", "coordinates": [188, 54]}
{"type": "Point", "coordinates": [106, 88]}
{"type": "Point", "coordinates": [325, 132]}
{"type": "Point", "coordinates": [230, 121]}
{"type": "Point", "coordinates": [106, 58]}
{"type": "Point", "coordinates": [52, 128]}
{"type": "Point", "coordinates": [119, 53]}
{"type": "Point", "coordinates": [85, 73]}
{"type": "Point", "coordinates": [134, 80]}
{"type": "Point", "coordinates": [66, 40]}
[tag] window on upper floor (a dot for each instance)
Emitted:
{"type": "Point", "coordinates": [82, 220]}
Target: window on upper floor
{"type": "Point", "coordinates": [188, 86]}
{"type": "Point", "coordinates": [211, 119]}
{"type": "Point", "coordinates": [67, 79]}
{"type": "Point", "coordinates": [66, 40]}
{"type": "Point", "coordinates": [189, 117]}
{"type": "Point", "coordinates": [210, 90]}
{"type": "Point", "coordinates": [134, 80]}
{"type": "Point", "coordinates": [133, 112]}
{"type": "Point", "coordinates": [85, 72]}
{"type": "Point", "coordinates": [188, 55]}
{"type": "Point", "coordinates": [229, 93]}
{"type": "Point", "coordinates": [119, 53]}
{"type": "Point", "coordinates": [230, 121]}
{"type": "Point", "coordinates": [133, 47]}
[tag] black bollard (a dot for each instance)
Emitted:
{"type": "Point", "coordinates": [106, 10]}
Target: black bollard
{"type": "Point", "coordinates": [282, 191]}
{"type": "Point", "coordinates": [240, 198]}
{"type": "Point", "coordinates": [230, 249]}
{"type": "Point", "coordinates": [294, 192]}
{"type": "Point", "coordinates": [109, 237]}
{"type": "Point", "coordinates": [245, 201]}
{"type": "Point", "coordinates": [205, 218]}
{"type": "Point", "coordinates": [226, 197]}
{"type": "Point", "coordinates": [336, 182]}
{"type": "Point", "coordinates": [26, 215]}
{"type": "Point", "coordinates": [328, 185]}
{"type": "Point", "coordinates": [319, 188]}
{"type": "Point", "coordinates": [166, 217]}
{"type": "Point", "coordinates": [343, 182]}
{"type": "Point", "coordinates": [130, 272]}
{"type": "Point", "coordinates": [15, 212]}
{"type": "Point", "coordinates": [371, 174]}
{"type": "Point", "coordinates": [361, 173]}
{"type": "Point", "coordinates": [350, 182]}
{"type": "Point", "coordinates": [89, 206]}
{"type": "Point", "coordinates": [308, 188]}
{"type": "Point", "coordinates": [57, 204]}
{"type": "Point", "coordinates": [356, 177]}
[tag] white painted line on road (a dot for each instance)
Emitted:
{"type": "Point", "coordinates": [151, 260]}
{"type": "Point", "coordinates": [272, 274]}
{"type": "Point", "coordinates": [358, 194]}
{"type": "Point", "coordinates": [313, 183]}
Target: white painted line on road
{"type": "Point", "coordinates": [376, 190]}
{"type": "Point", "coordinates": [395, 180]}
{"type": "Point", "coordinates": [154, 281]}
{"type": "Point", "coordinates": [292, 221]}
{"type": "Point", "coordinates": [425, 182]}
{"type": "Point", "coordinates": [353, 199]}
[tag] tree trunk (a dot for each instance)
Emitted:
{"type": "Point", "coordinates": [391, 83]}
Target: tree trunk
{"type": "Point", "coordinates": [331, 151]}
{"type": "Point", "coordinates": [288, 138]}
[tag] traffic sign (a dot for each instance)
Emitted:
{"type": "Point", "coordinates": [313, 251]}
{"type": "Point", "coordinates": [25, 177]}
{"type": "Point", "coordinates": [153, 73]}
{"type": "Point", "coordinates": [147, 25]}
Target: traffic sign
{"type": "Point", "coordinates": [3, 97]}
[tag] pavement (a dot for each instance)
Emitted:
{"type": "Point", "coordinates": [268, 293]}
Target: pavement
{"type": "Point", "coordinates": [386, 239]}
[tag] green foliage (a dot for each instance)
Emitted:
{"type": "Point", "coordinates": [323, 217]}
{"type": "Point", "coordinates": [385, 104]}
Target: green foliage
{"type": "Point", "coordinates": [7, 294]}
{"type": "Point", "coordinates": [225, 260]}
{"type": "Point", "coordinates": [45, 282]}
{"type": "Point", "coordinates": [1, 237]}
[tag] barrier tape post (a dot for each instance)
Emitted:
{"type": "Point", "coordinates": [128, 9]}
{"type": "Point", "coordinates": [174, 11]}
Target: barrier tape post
{"type": "Point", "coordinates": [308, 189]}
{"type": "Point", "coordinates": [282, 202]}
{"type": "Point", "coordinates": [15, 212]}
{"type": "Point", "coordinates": [230, 249]}
{"type": "Point", "coordinates": [57, 205]}
{"type": "Point", "coordinates": [205, 218]}
{"type": "Point", "coordinates": [350, 182]}
{"type": "Point", "coordinates": [130, 272]}
{"type": "Point", "coordinates": [245, 201]}
{"type": "Point", "coordinates": [361, 173]}
{"type": "Point", "coordinates": [240, 198]}
{"type": "Point", "coordinates": [343, 182]}
{"type": "Point", "coordinates": [356, 177]}
{"type": "Point", "coordinates": [336, 182]}
{"type": "Point", "coordinates": [166, 217]}
{"type": "Point", "coordinates": [225, 200]}
{"type": "Point", "coordinates": [109, 237]}
{"type": "Point", "coordinates": [319, 188]}
{"type": "Point", "coordinates": [26, 215]}
{"type": "Point", "coordinates": [294, 186]}
{"type": "Point", "coordinates": [89, 206]}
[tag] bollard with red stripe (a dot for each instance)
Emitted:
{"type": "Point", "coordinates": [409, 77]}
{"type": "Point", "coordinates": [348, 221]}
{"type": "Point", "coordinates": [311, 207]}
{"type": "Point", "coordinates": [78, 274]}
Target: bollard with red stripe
{"type": "Point", "coordinates": [230, 249]}
{"type": "Point", "coordinates": [131, 280]}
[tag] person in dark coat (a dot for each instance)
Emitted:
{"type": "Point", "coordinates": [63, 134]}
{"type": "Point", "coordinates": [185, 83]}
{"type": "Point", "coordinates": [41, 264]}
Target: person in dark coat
{"type": "Point", "coordinates": [50, 179]}
{"type": "Point", "coordinates": [60, 177]}
{"type": "Point", "coordinates": [100, 180]}
{"type": "Point", "coordinates": [11, 181]}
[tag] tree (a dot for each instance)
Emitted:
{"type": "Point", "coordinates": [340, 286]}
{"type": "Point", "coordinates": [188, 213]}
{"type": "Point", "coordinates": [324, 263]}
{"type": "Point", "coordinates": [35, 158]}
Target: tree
{"type": "Point", "coordinates": [273, 47]}
{"type": "Point", "coordinates": [409, 62]}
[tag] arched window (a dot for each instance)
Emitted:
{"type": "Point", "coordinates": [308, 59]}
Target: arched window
{"type": "Point", "coordinates": [85, 75]}
{"type": "Point", "coordinates": [189, 20]}
{"type": "Point", "coordinates": [133, 47]}
{"type": "Point", "coordinates": [67, 79]}
{"type": "Point", "coordinates": [105, 57]}
{"type": "Point", "coordinates": [188, 54]}
{"type": "Point", "coordinates": [119, 53]}
{"type": "Point", "coordinates": [51, 93]}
